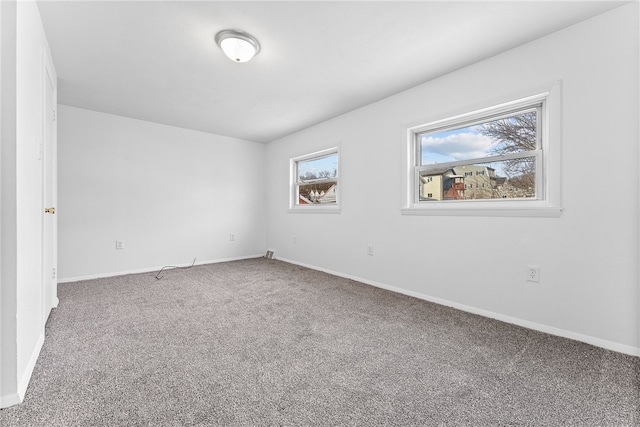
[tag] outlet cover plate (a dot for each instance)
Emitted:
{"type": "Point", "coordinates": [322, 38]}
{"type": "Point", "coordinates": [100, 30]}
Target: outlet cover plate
{"type": "Point", "coordinates": [532, 274]}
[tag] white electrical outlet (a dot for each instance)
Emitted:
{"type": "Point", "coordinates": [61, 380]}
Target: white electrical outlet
{"type": "Point", "coordinates": [370, 250]}
{"type": "Point", "coordinates": [119, 244]}
{"type": "Point", "coordinates": [295, 239]}
{"type": "Point", "coordinates": [532, 274]}
{"type": "Point", "coordinates": [232, 237]}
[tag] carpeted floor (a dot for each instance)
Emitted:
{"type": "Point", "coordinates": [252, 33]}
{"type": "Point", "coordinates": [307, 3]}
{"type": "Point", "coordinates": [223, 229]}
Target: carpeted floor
{"type": "Point", "coordinates": [261, 342]}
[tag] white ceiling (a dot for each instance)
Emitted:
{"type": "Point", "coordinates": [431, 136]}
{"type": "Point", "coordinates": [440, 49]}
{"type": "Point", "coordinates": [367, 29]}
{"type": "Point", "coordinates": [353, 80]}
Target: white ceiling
{"type": "Point", "coordinates": [157, 61]}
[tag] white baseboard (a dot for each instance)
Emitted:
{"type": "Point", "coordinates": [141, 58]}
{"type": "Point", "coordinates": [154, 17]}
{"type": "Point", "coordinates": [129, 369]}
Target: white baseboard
{"type": "Point", "coordinates": [23, 383]}
{"type": "Point", "coordinates": [17, 397]}
{"type": "Point", "coordinates": [9, 400]}
{"type": "Point", "coordinates": [598, 342]}
{"type": "Point", "coordinates": [151, 270]}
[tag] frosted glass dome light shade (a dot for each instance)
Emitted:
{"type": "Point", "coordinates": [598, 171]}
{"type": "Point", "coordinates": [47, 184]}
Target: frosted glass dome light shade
{"type": "Point", "coordinates": [237, 45]}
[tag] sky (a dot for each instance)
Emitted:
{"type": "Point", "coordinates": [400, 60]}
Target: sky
{"type": "Point", "coordinates": [329, 163]}
{"type": "Point", "coordinates": [458, 144]}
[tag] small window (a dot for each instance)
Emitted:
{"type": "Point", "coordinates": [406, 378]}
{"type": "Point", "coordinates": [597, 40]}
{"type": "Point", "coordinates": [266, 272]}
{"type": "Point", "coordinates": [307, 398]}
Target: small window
{"type": "Point", "coordinates": [314, 181]}
{"type": "Point", "coordinates": [494, 159]}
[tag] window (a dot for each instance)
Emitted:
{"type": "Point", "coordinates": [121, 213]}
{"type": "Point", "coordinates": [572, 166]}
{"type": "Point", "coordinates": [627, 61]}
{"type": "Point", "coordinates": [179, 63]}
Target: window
{"type": "Point", "coordinates": [505, 147]}
{"type": "Point", "coordinates": [500, 160]}
{"type": "Point", "coordinates": [314, 182]}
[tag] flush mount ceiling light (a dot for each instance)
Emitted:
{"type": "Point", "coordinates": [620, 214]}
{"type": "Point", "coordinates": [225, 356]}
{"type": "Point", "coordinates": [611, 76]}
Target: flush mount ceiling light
{"type": "Point", "coordinates": [237, 45]}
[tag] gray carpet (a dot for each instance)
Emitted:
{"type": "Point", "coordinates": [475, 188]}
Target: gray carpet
{"type": "Point", "coordinates": [261, 342]}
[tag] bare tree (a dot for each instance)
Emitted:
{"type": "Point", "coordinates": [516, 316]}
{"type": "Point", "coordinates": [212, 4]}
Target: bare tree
{"type": "Point", "coordinates": [514, 134]}
{"type": "Point", "coordinates": [325, 174]}
{"type": "Point", "coordinates": [308, 176]}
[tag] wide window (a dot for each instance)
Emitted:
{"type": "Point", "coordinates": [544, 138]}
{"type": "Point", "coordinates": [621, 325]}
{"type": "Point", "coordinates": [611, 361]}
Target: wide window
{"type": "Point", "coordinates": [497, 158]}
{"type": "Point", "coordinates": [494, 158]}
{"type": "Point", "coordinates": [314, 181]}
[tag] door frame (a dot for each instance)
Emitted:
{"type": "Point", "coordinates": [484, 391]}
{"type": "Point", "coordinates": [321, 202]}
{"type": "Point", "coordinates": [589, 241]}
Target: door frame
{"type": "Point", "coordinates": [49, 157]}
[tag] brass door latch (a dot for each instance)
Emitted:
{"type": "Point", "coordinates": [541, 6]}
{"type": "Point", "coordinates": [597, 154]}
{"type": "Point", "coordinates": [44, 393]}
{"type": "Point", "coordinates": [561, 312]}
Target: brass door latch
{"type": "Point", "coordinates": [50, 210]}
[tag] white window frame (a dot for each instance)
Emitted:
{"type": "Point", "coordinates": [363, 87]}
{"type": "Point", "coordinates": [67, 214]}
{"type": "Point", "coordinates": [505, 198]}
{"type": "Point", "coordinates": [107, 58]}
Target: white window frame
{"type": "Point", "coordinates": [294, 194]}
{"type": "Point", "coordinates": [547, 202]}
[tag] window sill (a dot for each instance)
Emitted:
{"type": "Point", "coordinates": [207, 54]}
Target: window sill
{"type": "Point", "coordinates": [499, 211]}
{"type": "Point", "coordinates": [315, 209]}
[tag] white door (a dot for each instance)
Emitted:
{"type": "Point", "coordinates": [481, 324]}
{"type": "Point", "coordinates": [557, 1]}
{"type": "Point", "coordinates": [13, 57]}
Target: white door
{"type": "Point", "coordinates": [49, 238]}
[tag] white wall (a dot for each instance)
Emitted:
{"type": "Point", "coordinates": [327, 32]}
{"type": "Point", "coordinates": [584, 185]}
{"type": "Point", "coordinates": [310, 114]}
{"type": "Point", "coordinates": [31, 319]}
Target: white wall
{"type": "Point", "coordinates": [24, 49]}
{"type": "Point", "coordinates": [588, 257]}
{"type": "Point", "coordinates": [170, 194]}
{"type": "Point", "coordinates": [8, 288]}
